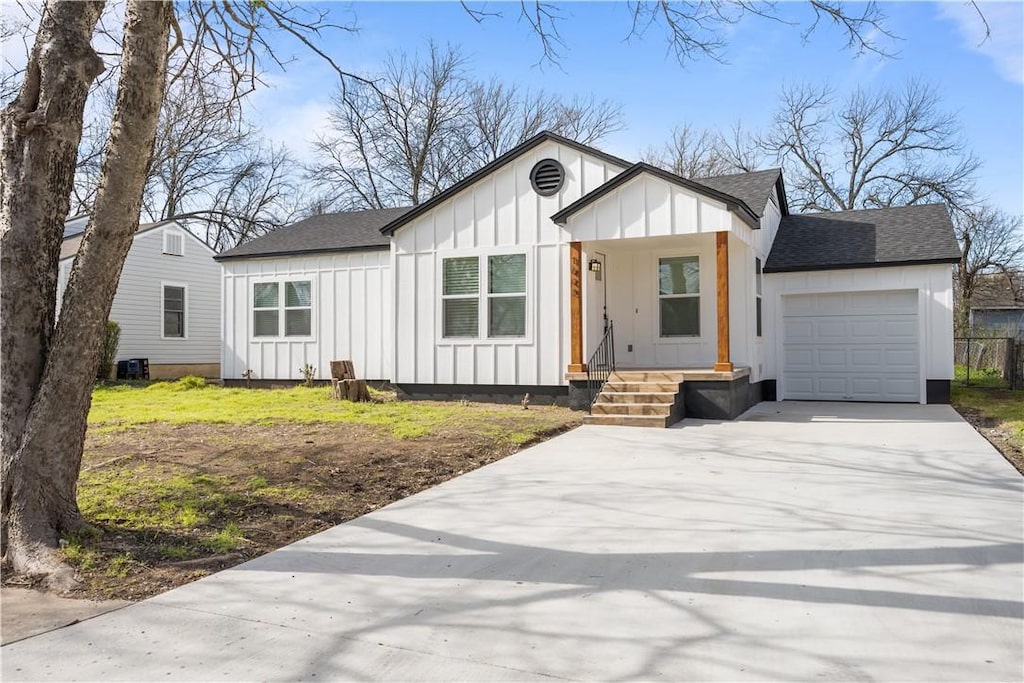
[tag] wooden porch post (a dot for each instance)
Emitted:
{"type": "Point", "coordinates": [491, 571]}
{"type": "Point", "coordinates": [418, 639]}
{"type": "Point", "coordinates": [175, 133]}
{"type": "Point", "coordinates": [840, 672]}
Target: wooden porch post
{"type": "Point", "coordinates": [576, 308]}
{"type": "Point", "coordinates": [722, 286]}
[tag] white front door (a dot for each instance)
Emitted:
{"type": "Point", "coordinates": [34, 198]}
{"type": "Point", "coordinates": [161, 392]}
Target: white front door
{"type": "Point", "coordinates": [644, 302]}
{"type": "Point", "coordinates": [852, 346]}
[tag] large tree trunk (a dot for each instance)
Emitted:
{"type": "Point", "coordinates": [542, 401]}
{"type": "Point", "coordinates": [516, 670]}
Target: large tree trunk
{"type": "Point", "coordinates": [41, 130]}
{"type": "Point", "coordinates": [44, 470]}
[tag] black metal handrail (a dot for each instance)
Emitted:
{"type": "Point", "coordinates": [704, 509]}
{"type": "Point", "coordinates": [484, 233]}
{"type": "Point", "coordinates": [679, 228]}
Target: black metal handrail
{"type": "Point", "coordinates": [601, 364]}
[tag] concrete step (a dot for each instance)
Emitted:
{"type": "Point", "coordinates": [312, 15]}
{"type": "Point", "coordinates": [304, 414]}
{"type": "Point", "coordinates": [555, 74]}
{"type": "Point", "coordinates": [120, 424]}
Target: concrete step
{"type": "Point", "coordinates": [629, 420]}
{"type": "Point", "coordinates": [647, 376]}
{"type": "Point", "coordinates": [636, 397]}
{"type": "Point", "coordinates": [631, 409]}
{"type": "Point", "coordinates": [641, 387]}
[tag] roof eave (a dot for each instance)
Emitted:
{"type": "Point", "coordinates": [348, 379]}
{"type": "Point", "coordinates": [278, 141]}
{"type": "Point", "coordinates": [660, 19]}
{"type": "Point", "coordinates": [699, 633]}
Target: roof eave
{"type": "Point", "coordinates": [732, 204]}
{"type": "Point", "coordinates": [300, 252]}
{"type": "Point", "coordinates": [508, 156]}
{"type": "Point", "coordinates": [768, 269]}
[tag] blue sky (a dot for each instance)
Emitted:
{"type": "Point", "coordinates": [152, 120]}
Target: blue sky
{"type": "Point", "coordinates": [984, 85]}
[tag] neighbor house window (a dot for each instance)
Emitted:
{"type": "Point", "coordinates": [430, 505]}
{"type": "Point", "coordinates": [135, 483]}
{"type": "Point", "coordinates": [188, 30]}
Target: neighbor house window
{"type": "Point", "coordinates": [679, 296]}
{"type": "Point", "coordinates": [506, 295]}
{"type": "Point", "coordinates": [174, 311]}
{"type": "Point", "coordinates": [757, 291]}
{"type": "Point", "coordinates": [468, 302]}
{"type": "Point", "coordinates": [174, 243]}
{"type": "Point", "coordinates": [295, 307]}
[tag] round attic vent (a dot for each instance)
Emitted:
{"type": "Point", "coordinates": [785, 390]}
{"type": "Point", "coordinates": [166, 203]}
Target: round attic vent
{"type": "Point", "coordinates": [547, 177]}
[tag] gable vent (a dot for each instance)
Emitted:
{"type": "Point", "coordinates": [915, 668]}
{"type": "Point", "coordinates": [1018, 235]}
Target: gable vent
{"type": "Point", "coordinates": [547, 177]}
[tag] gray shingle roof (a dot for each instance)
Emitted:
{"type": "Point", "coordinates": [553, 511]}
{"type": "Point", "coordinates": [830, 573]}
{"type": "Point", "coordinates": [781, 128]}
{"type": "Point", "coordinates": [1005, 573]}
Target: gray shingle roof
{"type": "Point", "coordinates": [327, 232]}
{"type": "Point", "coordinates": [753, 189]}
{"type": "Point", "coordinates": [869, 237]}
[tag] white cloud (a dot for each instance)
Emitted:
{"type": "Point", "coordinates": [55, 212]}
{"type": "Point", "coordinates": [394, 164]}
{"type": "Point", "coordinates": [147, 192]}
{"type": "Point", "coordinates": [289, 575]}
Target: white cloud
{"type": "Point", "coordinates": [1005, 43]}
{"type": "Point", "coordinates": [294, 124]}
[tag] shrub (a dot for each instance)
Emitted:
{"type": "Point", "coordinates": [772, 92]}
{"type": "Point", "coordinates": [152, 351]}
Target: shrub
{"type": "Point", "coordinates": [108, 350]}
{"type": "Point", "coordinates": [189, 382]}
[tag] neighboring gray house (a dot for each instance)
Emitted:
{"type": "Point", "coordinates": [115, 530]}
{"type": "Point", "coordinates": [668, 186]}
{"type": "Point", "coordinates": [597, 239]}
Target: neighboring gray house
{"type": "Point", "coordinates": [507, 282]}
{"type": "Point", "coordinates": [1004, 320]}
{"type": "Point", "coordinates": [168, 299]}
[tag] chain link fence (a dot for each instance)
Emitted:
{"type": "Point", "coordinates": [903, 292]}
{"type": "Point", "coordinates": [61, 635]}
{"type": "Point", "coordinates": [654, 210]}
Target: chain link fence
{"type": "Point", "coordinates": [989, 362]}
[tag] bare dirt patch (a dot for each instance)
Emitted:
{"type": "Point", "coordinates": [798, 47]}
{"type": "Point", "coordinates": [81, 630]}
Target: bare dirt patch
{"type": "Point", "coordinates": [172, 503]}
{"type": "Point", "coordinates": [993, 430]}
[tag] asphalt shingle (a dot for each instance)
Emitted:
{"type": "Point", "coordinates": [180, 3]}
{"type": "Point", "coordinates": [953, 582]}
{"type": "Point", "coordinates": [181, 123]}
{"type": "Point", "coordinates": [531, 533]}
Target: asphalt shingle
{"type": "Point", "coordinates": [753, 188]}
{"type": "Point", "coordinates": [324, 233]}
{"type": "Point", "coordinates": [863, 238]}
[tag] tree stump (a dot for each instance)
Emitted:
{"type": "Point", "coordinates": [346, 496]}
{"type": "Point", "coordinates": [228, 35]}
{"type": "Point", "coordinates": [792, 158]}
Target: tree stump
{"type": "Point", "coordinates": [350, 389]}
{"type": "Point", "coordinates": [344, 383]}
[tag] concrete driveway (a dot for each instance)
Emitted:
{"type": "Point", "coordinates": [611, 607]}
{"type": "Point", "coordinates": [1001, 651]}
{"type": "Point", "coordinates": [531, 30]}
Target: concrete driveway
{"type": "Point", "coordinates": [809, 541]}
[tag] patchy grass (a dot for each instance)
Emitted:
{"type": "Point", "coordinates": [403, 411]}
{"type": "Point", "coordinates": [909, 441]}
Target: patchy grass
{"type": "Point", "coordinates": [118, 407]}
{"type": "Point", "coordinates": [998, 414]}
{"type": "Point", "coordinates": [181, 479]}
{"type": "Point", "coordinates": [979, 377]}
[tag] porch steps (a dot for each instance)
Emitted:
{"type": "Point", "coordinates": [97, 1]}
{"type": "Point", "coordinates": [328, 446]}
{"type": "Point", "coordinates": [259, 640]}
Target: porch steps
{"type": "Point", "coordinates": [639, 398]}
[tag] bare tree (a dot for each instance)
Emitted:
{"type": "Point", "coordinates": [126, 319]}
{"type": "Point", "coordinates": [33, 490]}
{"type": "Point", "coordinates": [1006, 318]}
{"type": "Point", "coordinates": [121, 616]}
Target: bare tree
{"type": "Point", "coordinates": [992, 248]}
{"type": "Point", "coordinates": [45, 388]}
{"type": "Point", "coordinates": [427, 124]}
{"type": "Point", "coordinates": [874, 149]}
{"type": "Point", "coordinates": [692, 153]}
{"type": "Point", "coordinates": [392, 144]}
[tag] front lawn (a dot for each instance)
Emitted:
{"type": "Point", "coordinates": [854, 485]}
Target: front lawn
{"type": "Point", "coordinates": [998, 414]}
{"type": "Point", "coordinates": [181, 479]}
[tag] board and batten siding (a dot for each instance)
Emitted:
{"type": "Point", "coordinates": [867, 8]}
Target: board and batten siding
{"type": "Point", "coordinates": [351, 316]}
{"type": "Point", "coordinates": [933, 283]}
{"type": "Point", "coordinates": [138, 302]}
{"type": "Point", "coordinates": [500, 213]}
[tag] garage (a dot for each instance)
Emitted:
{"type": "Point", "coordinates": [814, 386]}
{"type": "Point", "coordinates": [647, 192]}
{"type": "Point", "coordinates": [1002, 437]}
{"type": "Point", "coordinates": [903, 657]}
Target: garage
{"type": "Point", "coordinates": [852, 346]}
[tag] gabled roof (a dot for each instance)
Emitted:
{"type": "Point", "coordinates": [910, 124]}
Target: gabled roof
{"type": "Point", "coordinates": [732, 203]}
{"type": "Point", "coordinates": [346, 231]}
{"type": "Point", "coordinates": [74, 230]}
{"type": "Point", "coordinates": [752, 188]}
{"type": "Point", "coordinates": [908, 235]}
{"type": "Point", "coordinates": [505, 158]}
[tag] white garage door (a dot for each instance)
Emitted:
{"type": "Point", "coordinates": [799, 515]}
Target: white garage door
{"type": "Point", "coordinates": [854, 346]}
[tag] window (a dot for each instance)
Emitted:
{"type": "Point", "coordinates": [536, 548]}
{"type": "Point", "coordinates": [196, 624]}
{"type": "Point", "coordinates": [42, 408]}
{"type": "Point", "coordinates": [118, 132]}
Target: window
{"type": "Point", "coordinates": [460, 296]}
{"type": "Point", "coordinates": [174, 312]}
{"type": "Point", "coordinates": [174, 243]}
{"type": "Point", "coordinates": [499, 305]}
{"type": "Point", "coordinates": [297, 311]}
{"type": "Point", "coordinates": [679, 296]}
{"type": "Point", "coordinates": [757, 291]}
{"type": "Point", "coordinates": [506, 295]}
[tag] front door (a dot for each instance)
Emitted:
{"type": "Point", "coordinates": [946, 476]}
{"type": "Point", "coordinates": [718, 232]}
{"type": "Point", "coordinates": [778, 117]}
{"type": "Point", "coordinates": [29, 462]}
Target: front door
{"type": "Point", "coordinates": [644, 303]}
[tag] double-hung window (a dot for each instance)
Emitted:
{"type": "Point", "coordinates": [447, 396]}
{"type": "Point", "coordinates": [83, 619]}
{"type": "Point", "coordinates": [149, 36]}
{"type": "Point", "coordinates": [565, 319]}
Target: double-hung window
{"type": "Point", "coordinates": [290, 310]}
{"type": "Point", "coordinates": [483, 292]}
{"type": "Point", "coordinates": [460, 294]}
{"type": "Point", "coordinates": [174, 312]}
{"type": "Point", "coordinates": [506, 295]}
{"type": "Point", "coordinates": [757, 292]}
{"type": "Point", "coordinates": [679, 296]}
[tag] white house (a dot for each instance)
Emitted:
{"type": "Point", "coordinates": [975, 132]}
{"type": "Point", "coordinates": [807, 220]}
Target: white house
{"type": "Point", "coordinates": [167, 301]}
{"type": "Point", "coordinates": [508, 283]}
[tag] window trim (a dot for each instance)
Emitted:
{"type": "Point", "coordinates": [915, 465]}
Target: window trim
{"type": "Point", "coordinates": [659, 338]}
{"type": "Point", "coordinates": [184, 312]}
{"type": "Point", "coordinates": [483, 296]}
{"type": "Point", "coordinates": [167, 232]}
{"type": "Point", "coordinates": [281, 308]}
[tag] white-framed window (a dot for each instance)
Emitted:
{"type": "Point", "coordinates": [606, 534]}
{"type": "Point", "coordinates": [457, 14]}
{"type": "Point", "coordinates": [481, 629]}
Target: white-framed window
{"type": "Point", "coordinates": [757, 295]}
{"type": "Point", "coordinates": [282, 309]}
{"type": "Point", "coordinates": [174, 243]}
{"type": "Point", "coordinates": [460, 297]}
{"type": "Point", "coordinates": [174, 298]}
{"type": "Point", "coordinates": [679, 296]}
{"type": "Point", "coordinates": [484, 296]}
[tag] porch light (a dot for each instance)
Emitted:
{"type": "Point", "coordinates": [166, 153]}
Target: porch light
{"type": "Point", "coordinates": [594, 266]}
